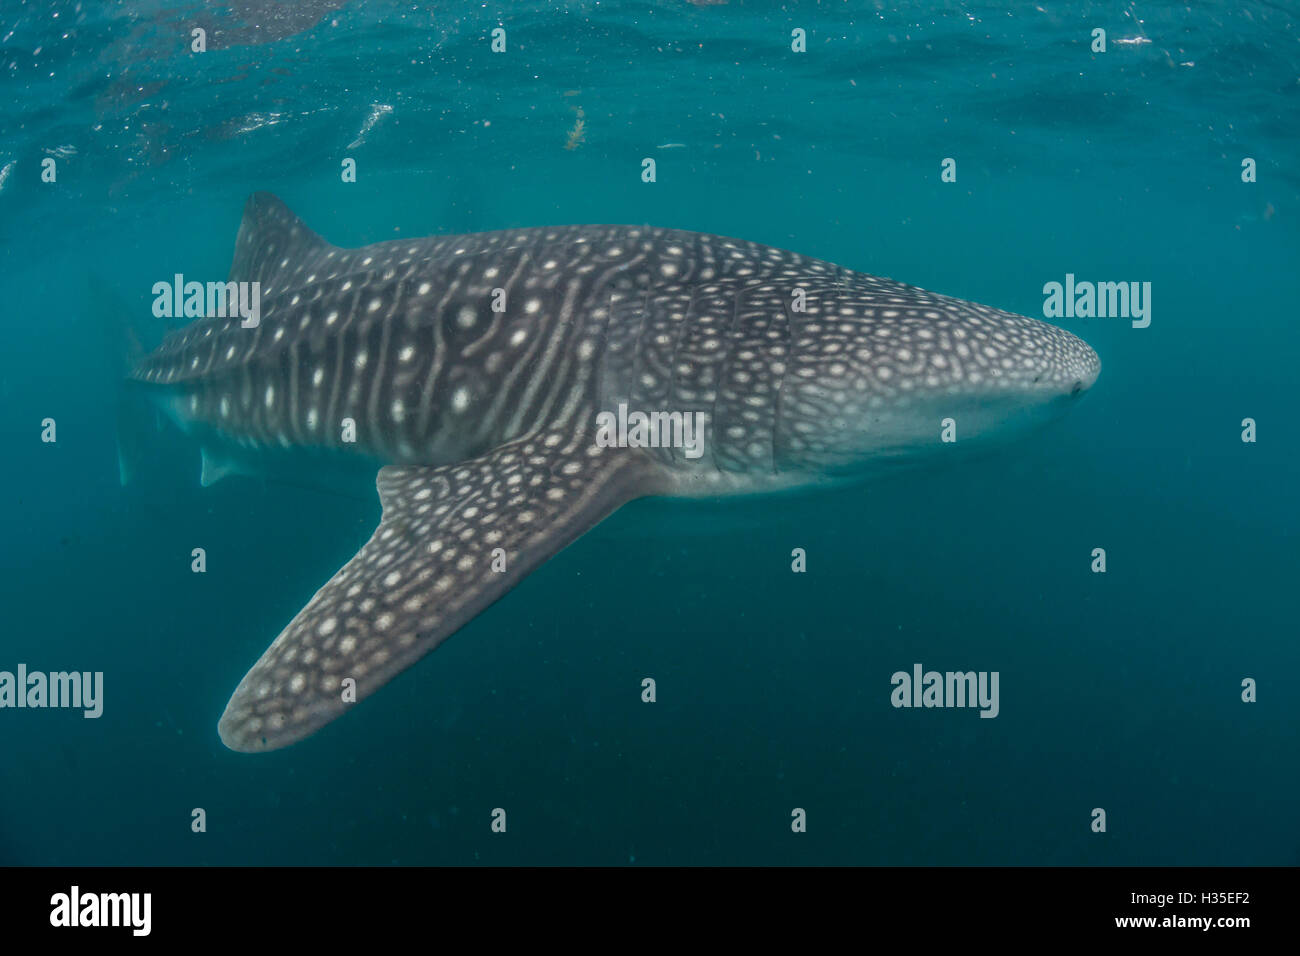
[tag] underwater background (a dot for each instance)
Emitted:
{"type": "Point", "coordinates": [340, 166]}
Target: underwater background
{"type": "Point", "coordinates": [1120, 690]}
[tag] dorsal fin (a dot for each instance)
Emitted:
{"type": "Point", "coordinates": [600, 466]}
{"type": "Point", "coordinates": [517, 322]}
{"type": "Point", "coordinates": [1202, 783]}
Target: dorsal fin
{"type": "Point", "coordinates": [269, 234]}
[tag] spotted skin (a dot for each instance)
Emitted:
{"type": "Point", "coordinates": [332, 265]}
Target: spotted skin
{"type": "Point", "coordinates": [473, 368]}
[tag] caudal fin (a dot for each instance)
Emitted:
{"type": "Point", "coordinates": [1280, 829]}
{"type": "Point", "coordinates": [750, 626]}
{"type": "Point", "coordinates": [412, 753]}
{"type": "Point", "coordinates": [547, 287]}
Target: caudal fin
{"type": "Point", "coordinates": [137, 422]}
{"type": "Point", "coordinates": [127, 339]}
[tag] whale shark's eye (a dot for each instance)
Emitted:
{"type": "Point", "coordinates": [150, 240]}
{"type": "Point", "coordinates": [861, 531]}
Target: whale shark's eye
{"type": "Point", "coordinates": [1078, 387]}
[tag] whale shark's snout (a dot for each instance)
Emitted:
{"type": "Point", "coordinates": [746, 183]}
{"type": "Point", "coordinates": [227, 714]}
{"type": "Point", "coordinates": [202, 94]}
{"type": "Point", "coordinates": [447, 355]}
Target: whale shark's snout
{"type": "Point", "coordinates": [1016, 374]}
{"type": "Point", "coordinates": [1010, 374]}
{"type": "Point", "coordinates": [1071, 364]}
{"type": "Point", "coordinates": [907, 384]}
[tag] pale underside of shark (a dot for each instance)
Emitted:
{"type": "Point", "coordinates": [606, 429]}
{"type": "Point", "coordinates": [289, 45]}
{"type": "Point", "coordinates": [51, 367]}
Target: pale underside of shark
{"type": "Point", "coordinates": [475, 368]}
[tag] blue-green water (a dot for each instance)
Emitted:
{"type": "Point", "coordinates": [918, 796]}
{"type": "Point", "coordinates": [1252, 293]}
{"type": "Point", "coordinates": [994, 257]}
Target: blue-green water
{"type": "Point", "coordinates": [1119, 691]}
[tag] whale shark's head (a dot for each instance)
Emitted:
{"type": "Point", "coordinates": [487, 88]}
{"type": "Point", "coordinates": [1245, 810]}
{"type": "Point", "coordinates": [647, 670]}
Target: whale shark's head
{"type": "Point", "coordinates": [929, 378]}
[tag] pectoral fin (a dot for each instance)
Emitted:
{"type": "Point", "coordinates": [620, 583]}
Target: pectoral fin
{"type": "Point", "coordinates": [452, 540]}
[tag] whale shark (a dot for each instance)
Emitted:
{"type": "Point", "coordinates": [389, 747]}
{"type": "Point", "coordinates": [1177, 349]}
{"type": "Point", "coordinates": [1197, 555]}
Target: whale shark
{"type": "Point", "coordinates": [514, 388]}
